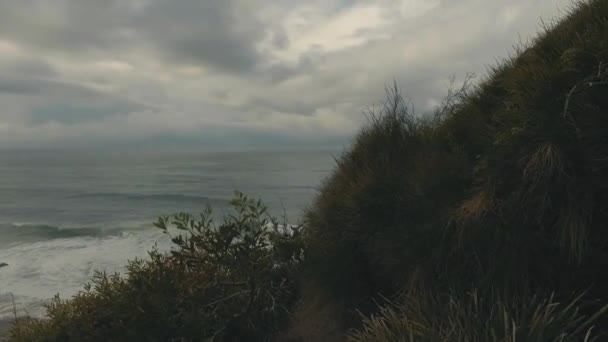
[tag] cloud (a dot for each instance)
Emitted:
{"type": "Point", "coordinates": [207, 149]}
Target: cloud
{"type": "Point", "coordinates": [63, 102]}
{"type": "Point", "coordinates": [91, 72]}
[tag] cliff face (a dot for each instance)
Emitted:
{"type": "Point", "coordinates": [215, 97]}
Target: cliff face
{"type": "Point", "coordinates": [504, 190]}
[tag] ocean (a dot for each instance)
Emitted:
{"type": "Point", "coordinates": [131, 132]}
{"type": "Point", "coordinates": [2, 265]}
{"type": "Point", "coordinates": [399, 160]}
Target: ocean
{"type": "Point", "coordinates": [65, 214]}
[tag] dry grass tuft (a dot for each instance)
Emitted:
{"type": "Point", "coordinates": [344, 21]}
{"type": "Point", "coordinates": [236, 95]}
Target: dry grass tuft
{"type": "Point", "coordinates": [474, 208]}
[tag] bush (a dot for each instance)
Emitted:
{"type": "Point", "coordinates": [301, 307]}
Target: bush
{"type": "Point", "coordinates": [231, 282]}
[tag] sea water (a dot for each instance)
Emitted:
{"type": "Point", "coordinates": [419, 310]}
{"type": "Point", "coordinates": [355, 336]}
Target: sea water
{"type": "Point", "coordinates": [66, 214]}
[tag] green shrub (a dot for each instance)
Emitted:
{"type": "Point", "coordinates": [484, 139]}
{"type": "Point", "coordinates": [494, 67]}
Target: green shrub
{"type": "Point", "coordinates": [231, 282]}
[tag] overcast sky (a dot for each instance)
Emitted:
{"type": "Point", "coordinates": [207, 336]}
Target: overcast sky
{"type": "Point", "coordinates": [236, 72]}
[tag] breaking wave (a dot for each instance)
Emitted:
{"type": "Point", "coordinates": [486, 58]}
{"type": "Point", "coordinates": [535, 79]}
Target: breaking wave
{"type": "Point", "coordinates": [13, 233]}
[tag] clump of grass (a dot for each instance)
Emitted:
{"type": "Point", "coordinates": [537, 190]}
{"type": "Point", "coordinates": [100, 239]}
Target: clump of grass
{"type": "Point", "coordinates": [476, 318]}
{"type": "Point", "coordinates": [379, 214]}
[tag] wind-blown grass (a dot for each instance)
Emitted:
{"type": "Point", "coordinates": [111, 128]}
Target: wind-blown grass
{"type": "Point", "coordinates": [477, 319]}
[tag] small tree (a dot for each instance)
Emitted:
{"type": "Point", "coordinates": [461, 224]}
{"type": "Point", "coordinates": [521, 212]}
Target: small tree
{"type": "Point", "coordinates": [248, 262]}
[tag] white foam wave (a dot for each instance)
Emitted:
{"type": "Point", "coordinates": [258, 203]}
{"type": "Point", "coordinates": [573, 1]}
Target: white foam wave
{"type": "Point", "coordinates": [37, 271]}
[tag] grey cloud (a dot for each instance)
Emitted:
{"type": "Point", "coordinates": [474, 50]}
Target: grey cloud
{"type": "Point", "coordinates": [64, 25]}
{"type": "Point", "coordinates": [214, 33]}
{"type": "Point", "coordinates": [224, 54]}
{"type": "Point", "coordinates": [29, 67]}
{"type": "Point", "coordinates": [18, 87]}
{"type": "Point", "coordinates": [64, 102]}
{"type": "Point", "coordinates": [295, 106]}
{"type": "Point", "coordinates": [199, 61]}
{"type": "Point", "coordinates": [280, 40]}
{"type": "Point", "coordinates": [218, 33]}
{"type": "Point", "coordinates": [358, 75]}
{"type": "Point", "coordinates": [74, 113]}
{"type": "Point", "coordinates": [50, 87]}
{"type": "Point", "coordinates": [276, 73]}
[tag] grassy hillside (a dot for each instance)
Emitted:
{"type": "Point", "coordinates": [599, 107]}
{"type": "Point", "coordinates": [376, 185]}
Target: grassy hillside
{"type": "Point", "coordinates": [502, 192]}
{"type": "Point", "coordinates": [485, 221]}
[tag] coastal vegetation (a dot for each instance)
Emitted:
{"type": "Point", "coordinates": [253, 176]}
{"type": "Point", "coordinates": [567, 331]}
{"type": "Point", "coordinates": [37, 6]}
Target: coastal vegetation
{"type": "Point", "coordinates": [483, 221]}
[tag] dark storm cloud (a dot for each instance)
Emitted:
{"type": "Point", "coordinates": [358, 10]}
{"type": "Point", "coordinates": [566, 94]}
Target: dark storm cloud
{"type": "Point", "coordinates": [220, 34]}
{"type": "Point", "coordinates": [217, 33]}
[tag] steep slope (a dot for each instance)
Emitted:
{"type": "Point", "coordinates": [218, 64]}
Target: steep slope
{"type": "Point", "coordinates": [503, 191]}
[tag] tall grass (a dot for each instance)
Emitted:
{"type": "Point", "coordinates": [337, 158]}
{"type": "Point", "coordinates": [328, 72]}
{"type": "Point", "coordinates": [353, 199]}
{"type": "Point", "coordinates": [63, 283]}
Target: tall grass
{"type": "Point", "coordinates": [503, 188]}
{"type": "Point", "coordinates": [474, 318]}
